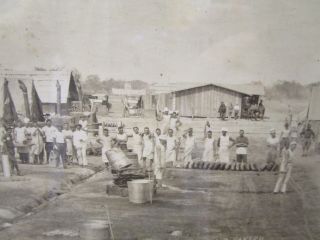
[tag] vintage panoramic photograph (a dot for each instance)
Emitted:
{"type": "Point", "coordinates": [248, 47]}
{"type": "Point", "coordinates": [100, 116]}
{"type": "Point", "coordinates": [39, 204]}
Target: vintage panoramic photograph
{"type": "Point", "coordinates": [159, 120]}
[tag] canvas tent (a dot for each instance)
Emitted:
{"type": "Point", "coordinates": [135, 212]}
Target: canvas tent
{"type": "Point", "coordinates": [45, 84]}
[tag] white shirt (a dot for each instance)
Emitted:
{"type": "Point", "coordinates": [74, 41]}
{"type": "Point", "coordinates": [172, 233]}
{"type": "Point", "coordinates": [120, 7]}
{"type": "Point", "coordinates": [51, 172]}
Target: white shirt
{"type": "Point", "coordinates": [122, 137]}
{"type": "Point", "coordinates": [79, 138]}
{"type": "Point", "coordinates": [67, 133]}
{"type": "Point", "coordinates": [106, 142]}
{"type": "Point", "coordinates": [59, 136]}
{"type": "Point", "coordinates": [137, 139]}
{"type": "Point", "coordinates": [49, 132]}
{"type": "Point", "coordinates": [20, 134]}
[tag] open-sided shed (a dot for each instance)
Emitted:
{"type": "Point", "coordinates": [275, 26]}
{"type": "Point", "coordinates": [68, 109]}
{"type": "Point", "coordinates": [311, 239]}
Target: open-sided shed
{"type": "Point", "coordinates": [46, 85]}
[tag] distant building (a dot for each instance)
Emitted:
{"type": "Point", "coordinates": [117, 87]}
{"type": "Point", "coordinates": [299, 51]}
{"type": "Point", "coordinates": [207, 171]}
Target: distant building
{"type": "Point", "coordinates": [203, 100]}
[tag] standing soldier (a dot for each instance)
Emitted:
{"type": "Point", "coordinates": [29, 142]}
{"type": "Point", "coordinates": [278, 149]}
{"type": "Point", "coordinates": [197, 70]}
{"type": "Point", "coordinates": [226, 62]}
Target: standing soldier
{"type": "Point", "coordinates": [224, 143]}
{"type": "Point", "coordinates": [49, 133]}
{"type": "Point", "coordinates": [189, 146]}
{"type": "Point", "coordinates": [80, 144]}
{"type": "Point", "coordinates": [236, 110]}
{"type": "Point", "coordinates": [60, 146]}
{"type": "Point", "coordinates": [21, 142]}
{"type": "Point", "coordinates": [242, 144]}
{"type": "Point", "coordinates": [137, 144]}
{"type": "Point", "coordinates": [37, 147]}
{"type": "Point", "coordinates": [67, 133]}
{"type": "Point", "coordinates": [171, 151]}
{"type": "Point", "coordinates": [8, 148]}
{"type": "Point", "coordinates": [230, 110]}
{"type": "Point", "coordinates": [307, 137]}
{"type": "Point", "coordinates": [148, 149]}
{"type": "Point", "coordinates": [209, 147]}
{"type": "Point", "coordinates": [122, 138]}
{"type": "Point", "coordinates": [288, 157]}
{"type": "Point", "coordinates": [105, 141]}
{"type": "Point", "coordinates": [273, 144]}
{"type": "Point", "coordinates": [285, 137]}
{"type": "Point", "coordinates": [222, 110]}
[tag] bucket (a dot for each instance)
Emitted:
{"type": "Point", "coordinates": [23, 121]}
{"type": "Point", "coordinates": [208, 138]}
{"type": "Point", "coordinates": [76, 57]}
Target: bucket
{"type": "Point", "coordinates": [95, 230]}
{"type": "Point", "coordinates": [140, 191]}
{"type": "Point", "coordinates": [6, 166]}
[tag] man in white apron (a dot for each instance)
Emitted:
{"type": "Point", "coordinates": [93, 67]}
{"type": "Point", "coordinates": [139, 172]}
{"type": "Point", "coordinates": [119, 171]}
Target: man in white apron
{"type": "Point", "coordinates": [148, 149]}
{"type": "Point", "coordinates": [159, 157]}
{"type": "Point", "coordinates": [189, 146]}
{"type": "Point", "coordinates": [67, 132]}
{"type": "Point", "coordinates": [172, 144]}
{"type": "Point", "coordinates": [137, 144]}
{"type": "Point", "coordinates": [285, 168]}
{"type": "Point", "coordinates": [209, 147]}
{"type": "Point", "coordinates": [105, 141]}
{"type": "Point", "coordinates": [224, 143]}
{"type": "Point", "coordinates": [80, 144]}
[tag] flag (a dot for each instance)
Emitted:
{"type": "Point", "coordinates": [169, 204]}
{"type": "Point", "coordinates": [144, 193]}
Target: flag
{"type": "Point", "coordinates": [9, 110]}
{"type": "Point", "coordinates": [36, 107]}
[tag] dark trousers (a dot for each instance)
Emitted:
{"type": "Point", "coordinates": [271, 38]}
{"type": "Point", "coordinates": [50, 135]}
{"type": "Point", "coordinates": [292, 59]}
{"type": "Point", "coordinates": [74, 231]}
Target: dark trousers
{"type": "Point", "coordinates": [62, 147]}
{"type": "Point", "coordinates": [13, 161]}
{"type": "Point", "coordinates": [24, 157]}
{"type": "Point", "coordinates": [242, 158]}
{"type": "Point", "coordinates": [49, 148]}
{"type": "Point", "coordinates": [38, 159]}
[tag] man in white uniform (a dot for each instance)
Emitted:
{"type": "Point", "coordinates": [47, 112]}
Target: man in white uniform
{"type": "Point", "coordinates": [159, 157]}
{"type": "Point", "coordinates": [80, 144]}
{"type": "Point", "coordinates": [209, 148]}
{"type": "Point", "coordinates": [148, 149]}
{"type": "Point", "coordinates": [288, 158]}
{"type": "Point", "coordinates": [172, 144]}
{"type": "Point", "coordinates": [49, 133]}
{"type": "Point", "coordinates": [224, 143]}
{"type": "Point", "coordinates": [137, 144]}
{"type": "Point", "coordinates": [105, 141]}
{"type": "Point", "coordinates": [189, 146]}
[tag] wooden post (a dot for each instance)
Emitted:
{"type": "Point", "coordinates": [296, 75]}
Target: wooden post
{"type": "Point", "coordinates": [24, 90]}
{"type": "Point", "coordinates": [58, 98]}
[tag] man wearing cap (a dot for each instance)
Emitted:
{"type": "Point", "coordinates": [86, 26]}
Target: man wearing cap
{"type": "Point", "coordinates": [189, 146]}
{"type": "Point", "coordinates": [241, 143]}
{"type": "Point", "coordinates": [105, 141]}
{"type": "Point", "coordinates": [224, 143]}
{"type": "Point", "coordinates": [80, 144]}
{"type": "Point", "coordinates": [288, 157]}
{"type": "Point", "coordinates": [49, 133]}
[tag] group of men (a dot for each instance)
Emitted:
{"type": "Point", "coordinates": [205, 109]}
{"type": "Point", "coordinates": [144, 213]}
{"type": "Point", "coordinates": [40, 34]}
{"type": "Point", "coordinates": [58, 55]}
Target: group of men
{"type": "Point", "coordinates": [229, 111]}
{"type": "Point", "coordinates": [38, 145]}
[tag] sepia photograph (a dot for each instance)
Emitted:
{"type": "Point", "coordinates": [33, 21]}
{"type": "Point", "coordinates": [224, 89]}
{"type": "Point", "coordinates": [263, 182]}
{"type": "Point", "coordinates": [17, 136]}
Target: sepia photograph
{"type": "Point", "coordinates": [159, 120]}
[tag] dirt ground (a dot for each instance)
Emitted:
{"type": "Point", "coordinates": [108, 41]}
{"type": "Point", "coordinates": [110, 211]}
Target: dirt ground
{"type": "Point", "coordinates": [195, 204]}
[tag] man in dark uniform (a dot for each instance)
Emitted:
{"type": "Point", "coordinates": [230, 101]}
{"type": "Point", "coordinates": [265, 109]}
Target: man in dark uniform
{"type": "Point", "coordinates": [222, 110]}
{"type": "Point", "coordinates": [308, 136]}
{"type": "Point", "coordinates": [8, 149]}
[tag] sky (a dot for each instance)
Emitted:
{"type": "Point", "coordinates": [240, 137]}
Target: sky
{"type": "Point", "coordinates": [220, 41]}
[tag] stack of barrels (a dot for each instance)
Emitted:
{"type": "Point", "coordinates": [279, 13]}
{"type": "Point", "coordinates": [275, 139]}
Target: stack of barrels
{"type": "Point", "coordinates": [230, 166]}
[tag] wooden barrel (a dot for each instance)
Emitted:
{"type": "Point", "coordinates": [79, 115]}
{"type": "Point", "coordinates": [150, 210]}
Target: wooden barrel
{"type": "Point", "coordinates": [95, 230]}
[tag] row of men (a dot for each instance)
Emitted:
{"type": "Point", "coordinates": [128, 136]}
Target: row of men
{"type": "Point", "coordinates": [34, 143]}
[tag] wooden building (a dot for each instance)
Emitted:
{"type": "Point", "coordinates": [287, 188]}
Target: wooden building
{"type": "Point", "coordinates": [46, 85]}
{"type": "Point", "coordinates": [203, 100]}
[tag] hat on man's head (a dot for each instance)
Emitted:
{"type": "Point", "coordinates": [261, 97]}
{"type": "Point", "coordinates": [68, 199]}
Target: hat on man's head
{"type": "Point", "coordinates": [224, 129]}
